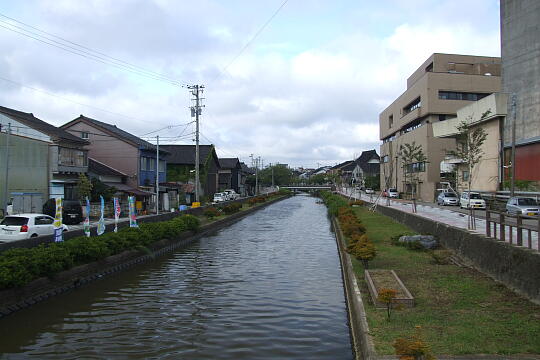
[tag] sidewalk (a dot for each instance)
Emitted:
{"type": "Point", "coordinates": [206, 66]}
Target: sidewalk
{"type": "Point", "coordinates": [444, 216]}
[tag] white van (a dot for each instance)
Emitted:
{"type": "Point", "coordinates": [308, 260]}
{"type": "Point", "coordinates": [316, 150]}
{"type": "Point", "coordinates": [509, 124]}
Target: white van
{"type": "Point", "coordinates": [472, 200]}
{"type": "Point", "coordinates": [219, 197]}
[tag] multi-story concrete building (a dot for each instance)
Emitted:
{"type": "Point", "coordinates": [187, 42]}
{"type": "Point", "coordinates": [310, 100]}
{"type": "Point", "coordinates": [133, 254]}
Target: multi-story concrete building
{"type": "Point", "coordinates": [520, 49]}
{"type": "Point", "coordinates": [443, 84]}
{"type": "Point", "coordinates": [489, 114]}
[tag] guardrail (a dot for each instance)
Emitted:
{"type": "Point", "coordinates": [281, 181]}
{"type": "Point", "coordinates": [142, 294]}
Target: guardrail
{"type": "Point", "coordinates": [503, 221]}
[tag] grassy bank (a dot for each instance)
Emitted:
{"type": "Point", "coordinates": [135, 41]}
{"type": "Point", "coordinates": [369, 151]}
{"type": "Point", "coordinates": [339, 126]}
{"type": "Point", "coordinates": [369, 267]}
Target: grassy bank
{"type": "Point", "coordinates": [460, 310]}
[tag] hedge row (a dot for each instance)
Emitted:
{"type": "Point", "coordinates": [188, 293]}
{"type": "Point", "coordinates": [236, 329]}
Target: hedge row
{"type": "Point", "coordinates": [20, 266]}
{"type": "Point", "coordinates": [359, 245]}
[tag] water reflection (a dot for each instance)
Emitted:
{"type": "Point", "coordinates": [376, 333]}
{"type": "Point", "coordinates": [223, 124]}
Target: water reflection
{"type": "Point", "coordinates": [268, 287]}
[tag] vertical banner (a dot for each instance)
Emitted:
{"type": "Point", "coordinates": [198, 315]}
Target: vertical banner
{"type": "Point", "coordinates": [117, 211]}
{"type": "Point", "coordinates": [58, 228]}
{"type": "Point", "coordinates": [101, 222]}
{"type": "Point", "coordinates": [132, 217]}
{"type": "Point", "coordinates": [86, 225]}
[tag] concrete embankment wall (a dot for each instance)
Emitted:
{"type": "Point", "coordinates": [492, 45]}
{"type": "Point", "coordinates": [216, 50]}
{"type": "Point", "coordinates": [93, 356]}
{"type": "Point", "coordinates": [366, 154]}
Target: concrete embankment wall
{"type": "Point", "coordinates": [12, 300]}
{"type": "Point", "coordinates": [362, 342]}
{"type": "Point", "coordinates": [517, 268]}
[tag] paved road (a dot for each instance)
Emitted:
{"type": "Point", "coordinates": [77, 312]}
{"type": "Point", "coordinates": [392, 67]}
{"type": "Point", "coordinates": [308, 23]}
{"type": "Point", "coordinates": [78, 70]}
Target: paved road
{"type": "Point", "coordinates": [450, 215]}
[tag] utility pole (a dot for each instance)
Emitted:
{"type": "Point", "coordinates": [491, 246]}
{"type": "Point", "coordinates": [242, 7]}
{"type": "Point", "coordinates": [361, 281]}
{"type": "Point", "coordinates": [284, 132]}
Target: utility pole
{"type": "Point", "coordinates": [6, 197]}
{"type": "Point", "coordinates": [196, 90]}
{"type": "Point", "coordinates": [513, 155]}
{"type": "Point", "coordinates": [257, 175]}
{"type": "Point", "coordinates": [272, 175]}
{"type": "Point", "coordinates": [157, 174]}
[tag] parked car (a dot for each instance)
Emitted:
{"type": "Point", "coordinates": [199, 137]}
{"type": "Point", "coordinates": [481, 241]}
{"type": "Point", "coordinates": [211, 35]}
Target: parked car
{"type": "Point", "coordinates": [369, 191]}
{"type": "Point", "coordinates": [472, 200]}
{"type": "Point", "coordinates": [220, 197]}
{"type": "Point", "coordinates": [392, 193]}
{"type": "Point", "coordinates": [447, 198]}
{"type": "Point", "coordinates": [25, 226]}
{"type": "Point", "coordinates": [231, 194]}
{"type": "Point", "coordinates": [522, 206]}
{"type": "Point", "coordinates": [71, 211]}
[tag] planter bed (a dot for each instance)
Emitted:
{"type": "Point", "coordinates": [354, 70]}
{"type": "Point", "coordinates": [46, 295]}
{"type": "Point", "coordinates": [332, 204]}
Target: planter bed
{"type": "Point", "coordinates": [387, 279]}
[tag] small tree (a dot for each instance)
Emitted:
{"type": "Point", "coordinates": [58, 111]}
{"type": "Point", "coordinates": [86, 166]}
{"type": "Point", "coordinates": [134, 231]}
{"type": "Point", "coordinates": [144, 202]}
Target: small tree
{"type": "Point", "coordinates": [413, 347]}
{"type": "Point", "coordinates": [469, 149]}
{"type": "Point", "coordinates": [413, 160]}
{"type": "Point", "coordinates": [84, 187]}
{"type": "Point", "coordinates": [387, 297]}
{"type": "Point", "coordinates": [364, 251]}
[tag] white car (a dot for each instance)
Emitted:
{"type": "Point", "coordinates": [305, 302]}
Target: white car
{"type": "Point", "coordinates": [25, 226]}
{"type": "Point", "coordinates": [231, 194]}
{"type": "Point", "coordinates": [219, 197]}
{"type": "Point", "coordinates": [369, 191]}
{"type": "Point", "coordinates": [472, 200]}
{"type": "Point", "coordinates": [392, 193]}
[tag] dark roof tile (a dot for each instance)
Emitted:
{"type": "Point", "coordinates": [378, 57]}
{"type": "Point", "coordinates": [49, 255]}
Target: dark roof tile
{"type": "Point", "coordinates": [33, 122]}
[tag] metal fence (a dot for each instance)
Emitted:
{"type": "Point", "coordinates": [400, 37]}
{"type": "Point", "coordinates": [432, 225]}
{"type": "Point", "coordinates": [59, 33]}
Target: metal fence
{"type": "Point", "coordinates": [511, 228]}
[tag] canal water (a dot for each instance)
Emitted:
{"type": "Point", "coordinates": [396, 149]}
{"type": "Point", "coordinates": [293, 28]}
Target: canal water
{"type": "Point", "coordinates": [267, 287]}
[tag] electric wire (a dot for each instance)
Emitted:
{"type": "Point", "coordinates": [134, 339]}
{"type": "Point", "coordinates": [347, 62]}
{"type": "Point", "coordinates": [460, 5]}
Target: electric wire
{"type": "Point", "coordinates": [85, 52]}
{"type": "Point", "coordinates": [222, 72]}
{"type": "Point", "coordinates": [66, 99]}
{"type": "Point", "coordinates": [87, 48]}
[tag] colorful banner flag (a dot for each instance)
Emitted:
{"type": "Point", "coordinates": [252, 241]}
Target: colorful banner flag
{"type": "Point", "coordinates": [101, 222]}
{"type": "Point", "coordinates": [86, 225]}
{"type": "Point", "coordinates": [132, 217]}
{"type": "Point", "coordinates": [117, 211]}
{"type": "Point", "coordinates": [58, 228]}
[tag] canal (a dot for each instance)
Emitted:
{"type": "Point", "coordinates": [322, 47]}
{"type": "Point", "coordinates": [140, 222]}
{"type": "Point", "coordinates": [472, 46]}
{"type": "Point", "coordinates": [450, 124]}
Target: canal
{"type": "Point", "coordinates": [267, 287]}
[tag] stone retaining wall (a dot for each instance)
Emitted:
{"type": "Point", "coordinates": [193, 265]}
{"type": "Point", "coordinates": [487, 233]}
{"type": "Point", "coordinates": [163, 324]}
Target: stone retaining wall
{"type": "Point", "coordinates": [12, 300]}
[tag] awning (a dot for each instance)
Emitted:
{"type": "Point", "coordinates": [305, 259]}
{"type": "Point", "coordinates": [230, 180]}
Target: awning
{"type": "Point", "coordinates": [128, 189]}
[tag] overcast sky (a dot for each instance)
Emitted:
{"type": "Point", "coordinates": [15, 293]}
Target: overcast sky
{"type": "Point", "coordinates": [307, 90]}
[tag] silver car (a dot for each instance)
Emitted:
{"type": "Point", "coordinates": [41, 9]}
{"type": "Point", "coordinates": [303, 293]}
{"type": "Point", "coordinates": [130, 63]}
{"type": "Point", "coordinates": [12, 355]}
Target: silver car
{"type": "Point", "coordinates": [447, 198]}
{"type": "Point", "coordinates": [522, 206]}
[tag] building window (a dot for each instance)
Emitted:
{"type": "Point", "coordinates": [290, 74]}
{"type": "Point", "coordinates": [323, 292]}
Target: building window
{"type": "Point", "coordinates": [84, 135]}
{"type": "Point", "coordinates": [162, 166]}
{"type": "Point", "coordinates": [412, 126]}
{"type": "Point", "coordinates": [385, 158]}
{"type": "Point", "coordinates": [415, 167]}
{"type": "Point", "coordinates": [415, 104]}
{"type": "Point", "coordinates": [143, 163]}
{"type": "Point", "coordinates": [151, 164]}
{"type": "Point", "coordinates": [72, 157]}
{"type": "Point", "coordinates": [389, 138]}
{"type": "Point", "coordinates": [456, 95]}
{"type": "Point", "coordinates": [391, 121]}
{"type": "Point", "coordinates": [465, 175]}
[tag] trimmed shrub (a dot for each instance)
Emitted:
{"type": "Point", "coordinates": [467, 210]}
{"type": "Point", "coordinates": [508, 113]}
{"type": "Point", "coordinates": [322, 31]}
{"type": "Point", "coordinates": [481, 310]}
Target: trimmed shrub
{"type": "Point", "coordinates": [20, 266]}
{"type": "Point", "coordinates": [211, 212]}
{"type": "Point", "coordinates": [232, 208]}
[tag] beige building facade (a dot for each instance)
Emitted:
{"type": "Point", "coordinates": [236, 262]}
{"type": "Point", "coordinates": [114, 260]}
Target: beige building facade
{"type": "Point", "coordinates": [441, 86]}
{"type": "Point", "coordinates": [488, 113]}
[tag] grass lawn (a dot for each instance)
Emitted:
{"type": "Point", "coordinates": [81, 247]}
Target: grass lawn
{"type": "Point", "coordinates": [461, 311]}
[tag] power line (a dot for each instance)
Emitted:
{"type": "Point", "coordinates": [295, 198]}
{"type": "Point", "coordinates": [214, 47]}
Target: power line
{"type": "Point", "coordinates": [222, 72]}
{"type": "Point", "coordinates": [83, 51]}
{"type": "Point", "coordinates": [167, 127]}
{"type": "Point", "coordinates": [66, 99]}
